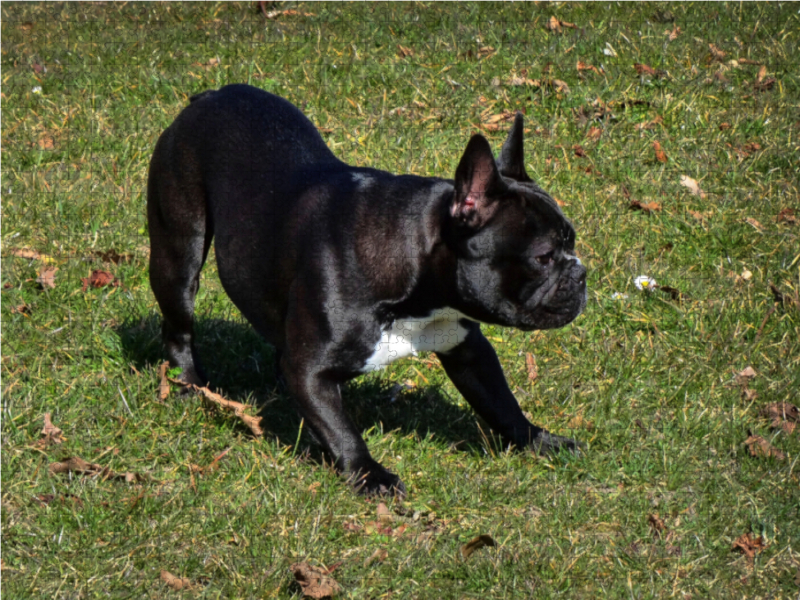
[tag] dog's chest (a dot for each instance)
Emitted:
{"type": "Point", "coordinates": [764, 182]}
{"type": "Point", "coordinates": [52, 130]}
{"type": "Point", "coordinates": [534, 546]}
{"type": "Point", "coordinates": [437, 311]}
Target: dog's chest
{"type": "Point", "coordinates": [438, 332]}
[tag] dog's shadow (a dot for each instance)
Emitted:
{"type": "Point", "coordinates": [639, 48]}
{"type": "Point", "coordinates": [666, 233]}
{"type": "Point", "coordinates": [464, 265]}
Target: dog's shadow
{"type": "Point", "coordinates": [241, 366]}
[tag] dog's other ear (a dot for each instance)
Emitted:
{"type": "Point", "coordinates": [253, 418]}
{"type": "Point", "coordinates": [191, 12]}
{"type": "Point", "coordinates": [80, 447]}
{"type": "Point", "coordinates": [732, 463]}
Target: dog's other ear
{"type": "Point", "coordinates": [512, 156]}
{"type": "Point", "coordinates": [478, 183]}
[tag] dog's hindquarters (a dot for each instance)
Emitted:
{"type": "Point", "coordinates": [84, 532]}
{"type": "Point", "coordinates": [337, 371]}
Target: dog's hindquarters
{"type": "Point", "coordinates": [181, 229]}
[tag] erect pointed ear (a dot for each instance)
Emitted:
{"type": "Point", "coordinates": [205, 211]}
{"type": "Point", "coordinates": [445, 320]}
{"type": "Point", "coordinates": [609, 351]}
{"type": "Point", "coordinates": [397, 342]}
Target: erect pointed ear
{"type": "Point", "coordinates": [512, 156]}
{"type": "Point", "coordinates": [477, 183]}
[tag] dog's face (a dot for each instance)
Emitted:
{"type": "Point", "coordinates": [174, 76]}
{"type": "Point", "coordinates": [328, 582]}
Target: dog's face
{"type": "Point", "coordinates": [514, 247]}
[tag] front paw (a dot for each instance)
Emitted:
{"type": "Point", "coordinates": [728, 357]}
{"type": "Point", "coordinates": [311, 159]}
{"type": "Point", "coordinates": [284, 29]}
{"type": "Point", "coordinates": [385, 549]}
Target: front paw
{"type": "Point", "coordinates": [547, 443]}
{"type": "Point", "coordinates": [371, 479]}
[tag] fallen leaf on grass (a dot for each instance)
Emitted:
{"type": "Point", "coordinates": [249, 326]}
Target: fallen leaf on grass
{"type": "Point", "coordinates": [314, 582]}
{"type": "Point", "coordinates": [716, 53]}
{"type": "Point", "coordinates": [404, 52]}
{"type": "Point", "coordinates": [378, 556]}
{"type": "Point", "coordinates": [761, 448]}
{"type": "Point", "coordinates": [163, 381]}
{"type": "Point", "coordinates": [724, 126]}
{"type": "Point", "coordinates": [274, 14]}
{"type": "Point", "coordinates": [46, 142]}
{"type": "Point", "coordinates": [175, 582]}
{"type": "Point", "coordinates": [237, 408]}
{"type": "Point", "coordinates": [783, 415]}
{"type": "Point", "coordinates": [113, 256]}
{"type": "Point", "coordinates": [754, 223]}
{"type": "Point", "coordinates": [579, 151]}
{"type": "Point", "coordinates": [50, 433]}
{"type": "Point", "coordinates": [594, 133]}
{"type": "Point", "coordinates": [647, 207]}
{"type": "Point", "coordinates": [555, 25]}
{"type": "Point", "coordinates": [660, 155]}
{"type": "Point", "coordinates": [649, 124]}
{"type": "Point", "coordinates": [657, 525]}
{"type": "Point", "coordinates": [77, 465]}
{"type": "Point", "coordinates": [643, 69]}
{"type": "Point", "coordinates": [560, 86]}
{"type": "Point", "coordinates": [47, 277]}
{"type": "Point", "coordinates": [98, 279]}
{"type": "Point", "coordinates": [582, 66]}
{"type": "Point", "coordinates": [788, 216]}
{"type": "Point", "coordinates": [22, 309]}
{"type": "Point", "coordinates": [745, 375]}
{"type": "Point", "coordinates": [479, 542]}
{"type": "Point", "coordinates": [748, 545]}
{"type": "Point", "coordinates": [672, 35]}
{"type": "Point", "coordinates": [383, 513]}
{"type": "Point", "coordinates": [692, 186]}
{"type": "Point", "coordinates": [30, 254]}
{"type": "Point", "coordinates": [578, 422]}
{"type": "Point", "coordinates": [533, 371]}
{"type": "Point", "coordinates": [763, 86]}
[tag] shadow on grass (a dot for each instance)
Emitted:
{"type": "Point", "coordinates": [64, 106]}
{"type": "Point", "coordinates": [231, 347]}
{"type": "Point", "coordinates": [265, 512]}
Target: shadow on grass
{"type": "Point", "coordinates": [241, 366]}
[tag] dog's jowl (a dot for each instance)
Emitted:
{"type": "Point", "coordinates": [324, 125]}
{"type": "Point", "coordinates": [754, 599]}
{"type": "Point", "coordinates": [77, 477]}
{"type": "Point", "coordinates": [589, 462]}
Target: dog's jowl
{"type": "Point", "coordinates": [344, 269]}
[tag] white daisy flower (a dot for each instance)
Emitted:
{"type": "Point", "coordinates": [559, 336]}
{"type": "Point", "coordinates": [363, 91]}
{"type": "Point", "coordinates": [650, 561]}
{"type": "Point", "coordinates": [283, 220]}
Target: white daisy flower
{"type": "Point", "coordinates": [619, 296]}
{"type": "Point", "coordinates": [37, 89]}
{"type": "Point", "coordinates": [643, 282]}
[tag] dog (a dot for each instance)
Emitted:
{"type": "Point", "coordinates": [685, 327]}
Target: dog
{"type": "Point", "coordinates": [344, 269]}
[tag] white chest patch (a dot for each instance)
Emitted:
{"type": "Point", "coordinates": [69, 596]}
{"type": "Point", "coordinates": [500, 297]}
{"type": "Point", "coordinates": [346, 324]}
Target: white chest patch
{"type": "Point", "coordinates": [438, 332]}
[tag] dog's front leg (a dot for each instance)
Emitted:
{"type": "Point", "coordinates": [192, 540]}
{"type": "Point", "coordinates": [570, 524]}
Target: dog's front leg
{"type": "Point", "coordinates": [476, 372]}
{"type": "Point", "coordinates": [319, 402]}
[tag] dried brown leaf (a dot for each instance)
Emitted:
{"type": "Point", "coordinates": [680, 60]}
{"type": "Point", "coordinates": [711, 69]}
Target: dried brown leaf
{"type": "Point", "coordinates": [98, 279]}
{"type": "Point", "coordinates": [315, 582]}
{"type": "Point", "coordinates": [649, 124]}
{"type": "Point", "coordinates": [657, 524]}
{"type": "Point", "coordinates": [579, 151]}
{"type": "Point", "coordinates": [560, 86]}
{"type": "Point", "coordinates": [582, 66]}
{"type": "Point", "coordinates": [781, 411]}
{"type": "Point", "coordinates": [762, 73]}
{"type": "Point", "coordinates": [594, 133]}
{"type": "Point", "coordinates": [175, 582]}
{"type": "Point", "coordinates": [673, 35]}
{"type": "Point", "coordinates": [22, 309]}
{"type": "Point", "coordinates": [643, 69]}
{"type": "Point", "coordinates": [692, 186]}
{"type": "Point", "coordinates": [163, 381]}
{"type": "Point", "coordinates": [30, 254]}
{"type": "Point", "coordinates": [533, 371]}
{"type": "Point", "coordinates": [47, 277]}
{"type": "Point", "coordinates": [647, 207]}
{"type": "Point", "coordinates": [274, 14]}
{"type": "Point", "coordinates": [237, 408]}
{"type": "Point", "coordinates": [716, 53]}
{"type": "Point", "coordinates": [46, 142]}
{"type": "Point", "coordinates": [748, 545]}
{"type": "Point", "coordinates": [761, 448]}
{"type": "Point", "coordinates": [754, 223]}
{"type": "Point", "coordinates": [660, 154]}
{"type": "Point", "coordinates": [767, 84]}
{"type": "Point", "coordinates": [113, 256]}
{"type": "Point", "coordinates": [378, 556]}
{"type": "Point", "coordinates": [404, 52]}
{"type": "Point", "coordinates": [75, 464]}
{"type": "Point", "coordinates": [384, 514]}
{"type": "Point", "coordinates": [50, 433]}
{"type": "Point", "coordinates": [788, 216]}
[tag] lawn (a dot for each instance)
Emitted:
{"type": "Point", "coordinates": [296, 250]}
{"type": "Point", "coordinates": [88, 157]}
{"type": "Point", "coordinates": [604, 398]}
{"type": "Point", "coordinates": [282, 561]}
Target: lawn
{"type": "Point", "coordinates": [669, 132]}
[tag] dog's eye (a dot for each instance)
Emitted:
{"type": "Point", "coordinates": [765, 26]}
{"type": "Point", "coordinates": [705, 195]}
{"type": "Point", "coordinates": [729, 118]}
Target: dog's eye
{"type": "Point", "coordinates": [545, 259]}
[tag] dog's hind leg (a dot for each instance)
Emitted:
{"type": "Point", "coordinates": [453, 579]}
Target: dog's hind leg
{"type": "Point", "coordinates": [180, 231]}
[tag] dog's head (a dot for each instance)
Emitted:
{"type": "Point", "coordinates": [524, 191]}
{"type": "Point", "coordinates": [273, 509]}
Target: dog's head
{"type": "Point", "coordinates": [514, 247]}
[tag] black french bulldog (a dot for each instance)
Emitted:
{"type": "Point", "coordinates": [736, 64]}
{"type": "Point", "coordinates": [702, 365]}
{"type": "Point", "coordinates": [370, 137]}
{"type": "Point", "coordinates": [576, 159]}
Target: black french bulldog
{"type": "Point", "coordinates": [344, 269]}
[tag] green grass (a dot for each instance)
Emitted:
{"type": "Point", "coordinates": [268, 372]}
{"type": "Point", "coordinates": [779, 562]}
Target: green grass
{"type": "Point", "coordinates": [654, 378]}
